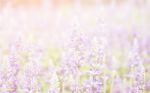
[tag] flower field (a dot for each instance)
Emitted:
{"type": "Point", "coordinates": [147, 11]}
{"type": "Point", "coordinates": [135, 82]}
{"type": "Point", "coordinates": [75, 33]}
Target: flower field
{"type": "Point", "coordinates": [74, 46]}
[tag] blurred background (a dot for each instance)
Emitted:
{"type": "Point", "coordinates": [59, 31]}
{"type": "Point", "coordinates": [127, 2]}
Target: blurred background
{"type": "Point", "coordinates": [39, 38]}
